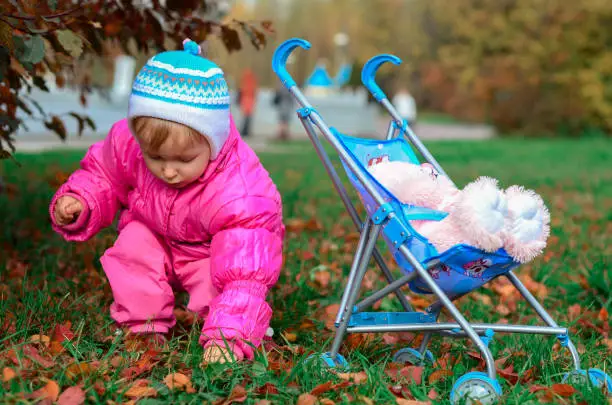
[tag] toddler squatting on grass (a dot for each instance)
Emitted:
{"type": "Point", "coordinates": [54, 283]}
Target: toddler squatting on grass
{"type": "Point", "coordinates": [198, 212]}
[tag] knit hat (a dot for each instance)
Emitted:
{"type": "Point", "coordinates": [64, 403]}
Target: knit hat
{"type": "Point", "coordinates": [186, 88]}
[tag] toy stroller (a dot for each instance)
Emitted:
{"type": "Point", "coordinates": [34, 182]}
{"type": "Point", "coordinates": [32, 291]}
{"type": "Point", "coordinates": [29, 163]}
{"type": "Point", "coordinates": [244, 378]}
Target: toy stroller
{"type": "Point", "coordinates": [426, 271]}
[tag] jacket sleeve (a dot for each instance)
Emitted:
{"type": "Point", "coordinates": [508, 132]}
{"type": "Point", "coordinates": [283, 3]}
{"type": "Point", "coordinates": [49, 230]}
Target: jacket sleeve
{"type": "Point", "coordinates": [246, 258]}
{"type": "Point", "coordinates": [99, 184]}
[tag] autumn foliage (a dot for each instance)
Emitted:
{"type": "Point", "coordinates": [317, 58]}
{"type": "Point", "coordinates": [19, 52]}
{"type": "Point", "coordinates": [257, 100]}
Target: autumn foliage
{"type": "Point", "coordinates": [538, 66]}
{"type": "Point", "coordinates": [42, 37]}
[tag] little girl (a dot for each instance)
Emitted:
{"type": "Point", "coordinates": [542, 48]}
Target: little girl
{"type": "Point", "coordinates": [197, 209]}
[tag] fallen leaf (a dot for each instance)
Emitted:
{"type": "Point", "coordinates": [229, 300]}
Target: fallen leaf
{"type": "Point", "coordinates": [141, 389]}
{"type": "Point", "coordinates": [563, 390]}
{"type": "Point", "coordinates": [8, 374]}
{"type": "Point", "coordinates": [72, 396]}
{"type": "Point", "coordinates": [50, 392]}
{"type": "Point", "coordinates": [306, 399]}
{"type": "Point", "coordinates": [179, 381]}
{"type": "Point", "coordinates": [238, 394]}
{"type": "Point", "coordinates": [42, 339]}
{"type": "Point", "coordinates": [76, 370]}
{"type": "Point", "coordinates": [263, 402]}
{"type": "Point", "coordinates": [290, 337]}
{"type": "Point", "coordinates": [366, 400]}
{"type": "Point", "coordinates": [322, 388]}
{"type": "Point", "coordinates": [358, 378]}
{"type": "Point", "coordinates": [439, 375]}
{"type": "Point", "coordinates": [322, 278]}
{"type": "Point", "coordinates": [403, 401]}
{"type": "Point", "coordinates": [326, 401]}
{"type": "Point", "coordinates": [32, 353]}
{"type": "Point", "coordinates": [433, 394]}
{"type": "Point", "coordinates": [267, 389]}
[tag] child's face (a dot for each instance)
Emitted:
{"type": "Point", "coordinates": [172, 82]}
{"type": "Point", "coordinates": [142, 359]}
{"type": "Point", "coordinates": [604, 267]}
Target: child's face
{"type": "Point", "coordinates": [179, 161]}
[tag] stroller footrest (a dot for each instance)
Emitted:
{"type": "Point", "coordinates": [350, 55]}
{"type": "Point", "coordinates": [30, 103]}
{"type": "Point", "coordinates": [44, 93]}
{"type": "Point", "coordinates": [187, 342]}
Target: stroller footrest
{"type": "Point", "coordinates": [389, 318]}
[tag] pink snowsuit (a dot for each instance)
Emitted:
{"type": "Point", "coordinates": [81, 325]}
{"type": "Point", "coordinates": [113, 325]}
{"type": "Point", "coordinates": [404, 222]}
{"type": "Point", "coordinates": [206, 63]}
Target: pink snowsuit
{"type": "Point", "coordinates": [219, 238]}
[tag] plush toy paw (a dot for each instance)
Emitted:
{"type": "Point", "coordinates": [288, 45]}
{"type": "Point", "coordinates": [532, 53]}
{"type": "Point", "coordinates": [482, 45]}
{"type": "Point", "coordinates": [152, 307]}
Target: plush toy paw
{"type": "Point", "coordinates": [480, 211]}
{"type": "Point", "coordinates": [528, 224]}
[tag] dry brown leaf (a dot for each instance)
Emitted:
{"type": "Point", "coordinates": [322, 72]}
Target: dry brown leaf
{"type": "Point", "coordinates": [238, 394]}
{"type": "Point", "coordinates": [179, 381]}
{"type": "Point", "coordinates": [8, 374]}
{"type": "Point", "coordinates": [72, 396]}
{"type": "Point", "coordinates": [366, 400]}
{"type": "Point", "coordinates": [290, 337]}
{"type": "Point", "coordinates": [438, 375]}
{"type": "Point", "coordinates": [263, 402]}
{"type": "Point", "coordinates": [322, 388]}
{"type": "Point", "coordinates": [306, 399]}
{"type": "Point", "coordinates": [76, 370]}
{"type": "Point", "coordinates": [141, 389]}
{"type": "Point", "coordinates": [358, 378]}
{"type": "Point", "coordinates": [563, 390]}
{"type": "Point", "coordinates": [326, 401]}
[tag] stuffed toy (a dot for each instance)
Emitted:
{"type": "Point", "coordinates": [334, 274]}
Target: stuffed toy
{"type": "Point", "coordinates": [479, 215]}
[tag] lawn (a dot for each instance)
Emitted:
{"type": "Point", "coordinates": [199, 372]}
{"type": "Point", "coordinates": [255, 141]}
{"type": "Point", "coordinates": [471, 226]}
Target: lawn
{"type": "Point", "coordinates": [56, 336]}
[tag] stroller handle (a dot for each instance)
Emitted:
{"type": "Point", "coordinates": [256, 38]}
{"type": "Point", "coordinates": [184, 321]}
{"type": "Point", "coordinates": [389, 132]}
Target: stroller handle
{"type": "Point", "coordinates": [368, 74]}
{"type": "Point", "coordinates": [279, 60]}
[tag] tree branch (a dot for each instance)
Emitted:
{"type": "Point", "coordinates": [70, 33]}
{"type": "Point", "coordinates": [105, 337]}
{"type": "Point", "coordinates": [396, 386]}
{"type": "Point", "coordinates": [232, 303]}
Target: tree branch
{"type": "Point", "coordinates": [32, 18]}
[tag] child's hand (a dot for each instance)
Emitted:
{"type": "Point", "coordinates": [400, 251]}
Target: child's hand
{"type": "Point", "coordinates": [216, 354]}
{"type": "Point", "coordinates": [67, 210]}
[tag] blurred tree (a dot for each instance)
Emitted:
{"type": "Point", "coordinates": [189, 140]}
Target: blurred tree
{"type": "Point", "coordinates": [42, 38]}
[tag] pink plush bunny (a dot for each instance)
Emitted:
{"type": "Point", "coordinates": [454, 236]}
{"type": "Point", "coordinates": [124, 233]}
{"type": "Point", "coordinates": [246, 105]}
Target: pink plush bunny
{"type": "Point", "coordinates": [480, 215]}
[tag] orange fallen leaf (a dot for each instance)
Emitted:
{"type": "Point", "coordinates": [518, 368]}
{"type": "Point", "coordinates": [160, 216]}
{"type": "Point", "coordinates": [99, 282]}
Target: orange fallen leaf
{"type": "Point", "coordinates": [403, 401]}
{"type": "Point", "coordinates": [563, 390]}
{"type": "Point", "coordinates": [439, 375]}
{"type": "Point", "coordinates": [358, 378]}
{"type": "Point", "coordinates": [263, 402]}
{"type": "Point", "coordinates": [179, 381]}
{"type": "Point", "coordinates": [603, 315]}
{"type": "Point", "coordinates": [42, 339]}
{"type": "Point", "coordinates": [322, 388]}
{"type": "Point", "coordinates": [366, 400]}
{"type": "Point", "coordinates": [50, 391]}
{"type": "Point", "coordinates": [327, 401]}
{"type": "Point", "coordinates": [322, 278]}
{"type": "Point", "coordinates": [72, 396]}
{"type": "Point", "coordinates": [8, 374]}
{"type": "Point", "coordinates": [290, 337]}
{"type": "Point", "coordinates": [306, 399]}
{"type": "Point", "coordinates": [141, 389]}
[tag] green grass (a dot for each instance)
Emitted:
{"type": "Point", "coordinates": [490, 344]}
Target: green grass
{"type": "Point", "coordinates": [45, 282]}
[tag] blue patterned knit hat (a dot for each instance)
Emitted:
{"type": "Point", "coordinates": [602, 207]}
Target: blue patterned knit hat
{"type": "Point", "coordinates": [184, 87]}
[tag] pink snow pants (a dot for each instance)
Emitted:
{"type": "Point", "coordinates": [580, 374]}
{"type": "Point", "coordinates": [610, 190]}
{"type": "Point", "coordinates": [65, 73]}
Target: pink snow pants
{"type": "Point", "coordinates": [142, 270]}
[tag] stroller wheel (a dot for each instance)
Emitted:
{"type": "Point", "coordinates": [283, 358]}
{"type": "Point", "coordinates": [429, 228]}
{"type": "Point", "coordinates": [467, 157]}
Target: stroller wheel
{"type": "Point", "coordinates": [330, 362]}
{"type": "Point", "coordinates": [597, 377]}
{"type": "Point", "coordinates": [475, 388]}
{"type": "Point", "coordinates": [413, 356]}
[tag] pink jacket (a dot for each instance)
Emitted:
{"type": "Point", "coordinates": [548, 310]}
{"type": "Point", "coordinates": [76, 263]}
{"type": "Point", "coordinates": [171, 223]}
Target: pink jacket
{"type": "Point", "coordinates": [233, 215]}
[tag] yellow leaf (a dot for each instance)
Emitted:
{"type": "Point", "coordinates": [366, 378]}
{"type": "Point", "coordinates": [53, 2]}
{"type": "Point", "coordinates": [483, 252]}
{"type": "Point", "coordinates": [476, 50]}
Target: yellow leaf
{"type": "Point", "coordinates": [76, 370]}
{"type": "Point", "coordinates": [291, 337]}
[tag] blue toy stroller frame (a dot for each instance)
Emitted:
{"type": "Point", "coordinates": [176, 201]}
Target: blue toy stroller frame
{"type": "Point", "coordinates": [448, 275]}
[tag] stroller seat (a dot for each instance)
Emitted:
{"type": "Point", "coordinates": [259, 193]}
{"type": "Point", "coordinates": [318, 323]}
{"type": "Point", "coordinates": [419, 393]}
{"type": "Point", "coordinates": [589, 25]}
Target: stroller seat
{"type": "Point", "coordinates": [460, 269]}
